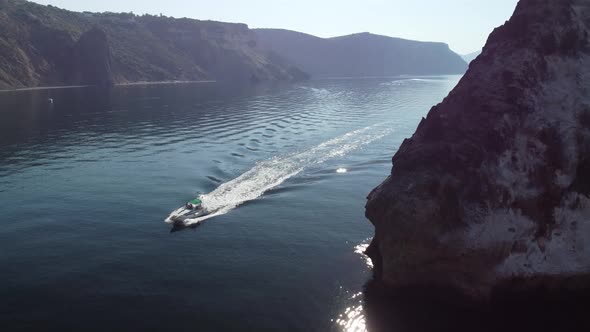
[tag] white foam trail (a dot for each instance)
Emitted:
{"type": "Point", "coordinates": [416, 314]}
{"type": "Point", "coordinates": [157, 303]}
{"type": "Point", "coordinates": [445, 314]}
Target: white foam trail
{"type": "Point", "coordinates": [268, 174]}
{"type": "Point", "coordinates": [316, 90]}
{"type": "Point", "coordinates": [409, 80]}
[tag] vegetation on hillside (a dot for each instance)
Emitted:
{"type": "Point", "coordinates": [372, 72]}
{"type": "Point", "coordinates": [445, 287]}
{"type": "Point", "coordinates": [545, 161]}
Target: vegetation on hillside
{"type": "Point", "coordinates": [36, 43]}
{"type": "Point", "coordinates": [362, 54]}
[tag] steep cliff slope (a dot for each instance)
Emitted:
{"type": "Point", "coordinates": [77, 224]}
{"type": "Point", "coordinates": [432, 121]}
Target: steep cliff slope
{"type": "Point", "coordinates": [493, 186]}
{"type": "Point", "coordinates": [38, 46]}
{"type": "Point", "coordinates": [471, 56]}
{"type": "Point", "coordinates": [361, 55]}
{"type": "Point", "coordinates": [92, 58]}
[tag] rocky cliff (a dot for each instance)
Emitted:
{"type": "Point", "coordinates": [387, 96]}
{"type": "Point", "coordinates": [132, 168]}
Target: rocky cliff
{"type": "Point", "coordinates": [492, 191]}
{"type": "Point", "coordinates": [361, 55]}
{"type": "Point", "coordinates": [45, 45]}
{"type": "Point", "coordinates": [92, 60]}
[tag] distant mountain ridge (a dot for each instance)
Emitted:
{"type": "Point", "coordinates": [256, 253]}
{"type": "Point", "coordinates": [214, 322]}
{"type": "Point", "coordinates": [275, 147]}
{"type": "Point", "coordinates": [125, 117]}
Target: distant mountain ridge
{"type": "Point", "coordinates": [361, 55]}
{"type": "Point", "coordinates": [42, 45]}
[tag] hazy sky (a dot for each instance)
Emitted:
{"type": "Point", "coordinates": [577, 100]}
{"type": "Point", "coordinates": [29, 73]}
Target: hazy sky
{"type": "Point", "coordinates": [463, 24]}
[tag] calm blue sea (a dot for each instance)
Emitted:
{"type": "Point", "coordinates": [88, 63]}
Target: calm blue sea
{"type": "Point", "coordinates": [86, 183]}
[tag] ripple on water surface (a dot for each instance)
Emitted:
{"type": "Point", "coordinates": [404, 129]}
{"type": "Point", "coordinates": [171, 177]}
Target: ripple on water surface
{"type": "Point", "coordinates": [99, 173]}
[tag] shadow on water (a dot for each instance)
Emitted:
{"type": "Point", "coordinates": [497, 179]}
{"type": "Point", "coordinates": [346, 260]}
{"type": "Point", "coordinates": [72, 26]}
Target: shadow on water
{"type": "Point", "coordinates": [180, 228]}
{"type": "Point", "coordinates": [424, 310]}
{"type": "Point", "coordinates": [36, 112]}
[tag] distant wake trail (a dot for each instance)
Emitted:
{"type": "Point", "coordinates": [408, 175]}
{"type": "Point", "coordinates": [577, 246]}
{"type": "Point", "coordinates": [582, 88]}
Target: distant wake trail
{"type": "Point", "coordinates": [268, 174]}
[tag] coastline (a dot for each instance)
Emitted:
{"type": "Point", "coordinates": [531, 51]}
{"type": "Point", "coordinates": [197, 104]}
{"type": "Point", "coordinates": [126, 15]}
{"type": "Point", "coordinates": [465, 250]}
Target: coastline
{"type": "Point", "coordinates": [46, 88]}
{"type": "Point", "coordinates": [140, 83]}
{"type": "Point", "coordinates": [164, 82]}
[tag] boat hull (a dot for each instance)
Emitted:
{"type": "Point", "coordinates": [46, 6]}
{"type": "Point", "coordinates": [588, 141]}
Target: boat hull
{"type": "Point", "coordinates": [182, 216]}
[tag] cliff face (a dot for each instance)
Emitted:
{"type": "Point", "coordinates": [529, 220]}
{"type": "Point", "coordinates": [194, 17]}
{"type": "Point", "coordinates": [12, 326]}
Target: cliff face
{"type": "Point", "coordinates": [92, 60]}
{"type": "Point", "coordinates": [361, 55]}
{"type": "Point", "coordinates": [43, 45]}
{"type": "Point", "coordinates": [493, 186]}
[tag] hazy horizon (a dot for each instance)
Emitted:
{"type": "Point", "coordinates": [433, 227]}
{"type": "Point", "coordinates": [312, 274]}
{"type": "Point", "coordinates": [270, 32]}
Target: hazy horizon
{"type": "Point", "coordinates": [462, 24]}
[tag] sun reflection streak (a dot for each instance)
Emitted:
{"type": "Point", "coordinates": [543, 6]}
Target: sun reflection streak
{"type": "Point", "coordinates": [360, 249]}
{"type": "Point", "coordinates": [353, 318]}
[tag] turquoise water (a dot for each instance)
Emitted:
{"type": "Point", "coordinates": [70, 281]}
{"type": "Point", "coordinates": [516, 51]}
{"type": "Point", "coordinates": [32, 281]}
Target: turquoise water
{"type": "Point", "coordinates": [86, 183]}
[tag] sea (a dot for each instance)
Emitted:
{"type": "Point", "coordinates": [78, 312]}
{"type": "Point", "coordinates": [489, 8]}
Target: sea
{"type": "Point", "coordinates": [88, 176]}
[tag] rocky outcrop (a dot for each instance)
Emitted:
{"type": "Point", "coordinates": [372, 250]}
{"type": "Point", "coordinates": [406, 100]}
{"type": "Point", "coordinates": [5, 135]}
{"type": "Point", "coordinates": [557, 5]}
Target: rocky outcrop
{"type": "Point", "coordinates": [491, 192]}
{"type": "Point", "coordinates": [361, 55]}
{"type": "Point", "coordinates": [92, 60]}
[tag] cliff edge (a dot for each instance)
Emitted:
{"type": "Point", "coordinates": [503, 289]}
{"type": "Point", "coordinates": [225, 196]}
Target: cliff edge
{"type": "Point", "coordinates": [492, 189]}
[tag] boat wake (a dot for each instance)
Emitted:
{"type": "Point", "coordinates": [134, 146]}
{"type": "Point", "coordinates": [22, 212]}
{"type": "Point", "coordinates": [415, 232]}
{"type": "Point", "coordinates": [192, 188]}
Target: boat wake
{"type": "Point", "coordinates": [269, 174]}
{"type": "Point", "coordinates": [407, 81]}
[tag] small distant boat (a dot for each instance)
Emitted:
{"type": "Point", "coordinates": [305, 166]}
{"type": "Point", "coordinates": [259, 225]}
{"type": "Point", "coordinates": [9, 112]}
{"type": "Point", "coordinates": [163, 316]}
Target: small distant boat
{"type": "Point", "coordinates": [191, 210]}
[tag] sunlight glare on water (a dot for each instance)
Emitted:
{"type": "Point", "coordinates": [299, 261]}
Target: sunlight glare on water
{"type": "Point", "coordinates": [353, 318]}
{"type": "Point", "coordinates": [361, 249]}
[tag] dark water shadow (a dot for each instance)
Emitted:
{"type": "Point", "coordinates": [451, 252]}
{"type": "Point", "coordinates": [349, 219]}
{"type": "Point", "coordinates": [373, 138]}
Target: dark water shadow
{"type": "Point", "coordinates": [436, 309]}
{"type": "Point", "coordinates": [180, 228]}
{"type": "Point", "coordinates": [38, 114]}
{"type": "Point", "coordinates": [35, 113]}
